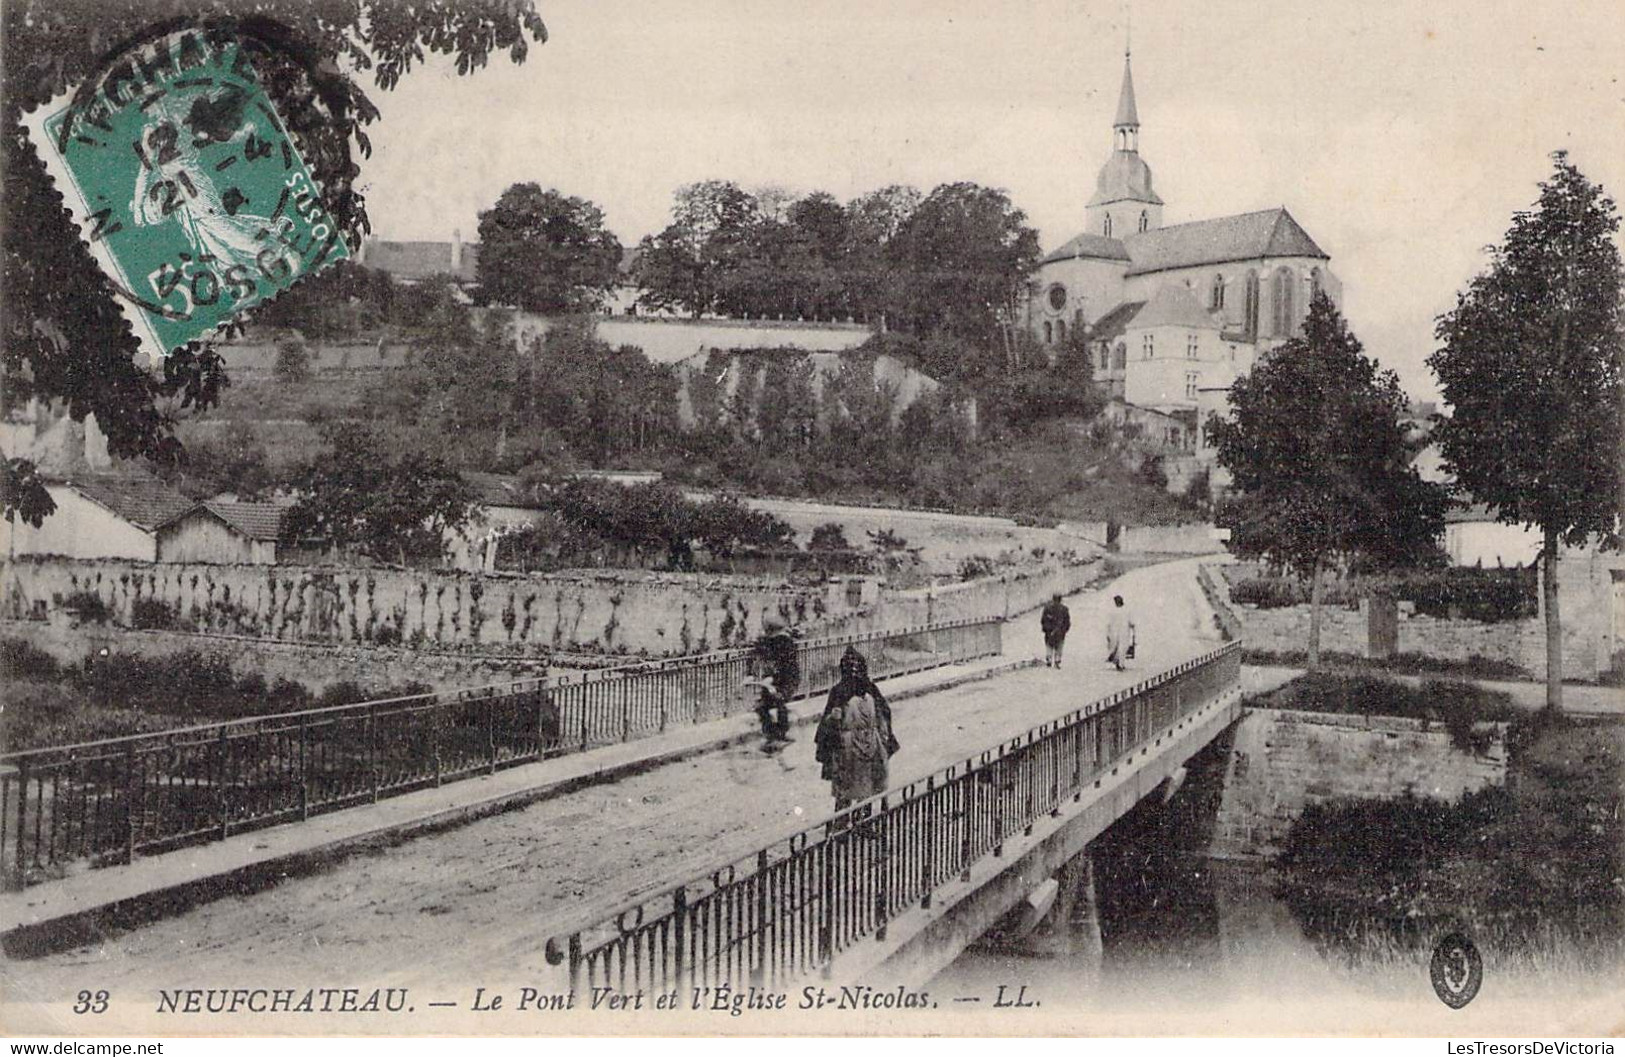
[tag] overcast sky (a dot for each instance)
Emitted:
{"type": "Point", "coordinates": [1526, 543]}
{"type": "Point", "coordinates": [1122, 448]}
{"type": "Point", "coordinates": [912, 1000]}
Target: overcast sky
{"type": "Point", "coordinates": [1401, 135]}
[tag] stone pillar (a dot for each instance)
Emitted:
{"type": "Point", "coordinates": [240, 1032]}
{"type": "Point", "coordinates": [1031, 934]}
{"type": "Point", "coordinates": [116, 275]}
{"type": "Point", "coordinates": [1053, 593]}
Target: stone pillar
{"type": "Point", "coordinates": [1061, 919]}
{"type": "Point", "coordinates": [1382, 625]}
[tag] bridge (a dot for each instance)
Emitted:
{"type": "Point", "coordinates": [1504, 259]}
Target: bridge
{"type": "Point", "coordinates": [668, 866]}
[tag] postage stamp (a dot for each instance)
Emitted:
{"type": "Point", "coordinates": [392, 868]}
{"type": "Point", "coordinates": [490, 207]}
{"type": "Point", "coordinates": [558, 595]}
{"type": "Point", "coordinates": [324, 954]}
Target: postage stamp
{"type": "Point", "coordinates": [186, 186]}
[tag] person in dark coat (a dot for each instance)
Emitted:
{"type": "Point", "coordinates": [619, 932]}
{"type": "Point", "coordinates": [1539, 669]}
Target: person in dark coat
{"type": "Point", "coordinates": [855, 738]}
{"type": "Point", "coordinates": [1055, 621]}
{"type": "Point", "coordinates": [776, 660]}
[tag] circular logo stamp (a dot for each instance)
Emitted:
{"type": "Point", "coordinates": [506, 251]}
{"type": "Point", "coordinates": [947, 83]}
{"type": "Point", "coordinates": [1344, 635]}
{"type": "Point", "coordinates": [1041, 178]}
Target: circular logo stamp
{"type": "Point", "coordinates": [1457, 970]}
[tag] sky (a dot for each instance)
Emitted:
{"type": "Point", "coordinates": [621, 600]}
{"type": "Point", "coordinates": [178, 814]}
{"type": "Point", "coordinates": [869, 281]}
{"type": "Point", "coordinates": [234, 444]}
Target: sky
{"type": "Point", "coordinates": [1402, 135]}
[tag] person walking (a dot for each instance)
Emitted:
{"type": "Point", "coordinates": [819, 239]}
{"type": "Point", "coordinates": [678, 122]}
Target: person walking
{"type": "Point", "coordinates": [855, 738]}
{"type": "Point", "coordinates": [1120, 634]}
{"type": "Point", "coordinates": [1055, 621]}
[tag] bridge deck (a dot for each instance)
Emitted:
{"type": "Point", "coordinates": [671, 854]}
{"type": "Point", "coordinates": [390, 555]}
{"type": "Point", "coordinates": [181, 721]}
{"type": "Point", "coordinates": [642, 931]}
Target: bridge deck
{"type": "Point", "coordinates": [477, 902]}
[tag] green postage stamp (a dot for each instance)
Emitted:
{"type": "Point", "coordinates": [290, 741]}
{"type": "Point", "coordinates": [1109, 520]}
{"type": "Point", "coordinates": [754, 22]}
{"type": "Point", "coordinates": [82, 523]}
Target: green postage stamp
{"type": "Point", "coordinates": [186, 186]}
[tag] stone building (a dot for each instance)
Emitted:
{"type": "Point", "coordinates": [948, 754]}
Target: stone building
{"type": "Point", "coordinates": [1172, 312]}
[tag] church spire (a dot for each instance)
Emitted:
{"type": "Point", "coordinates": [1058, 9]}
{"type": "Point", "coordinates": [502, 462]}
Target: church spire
{"type": "Point", "coordinates": [1127, 125]}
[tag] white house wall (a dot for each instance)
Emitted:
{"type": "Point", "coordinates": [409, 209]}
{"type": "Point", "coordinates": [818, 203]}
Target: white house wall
{"type": "Point", "coordinates": [79, 529]}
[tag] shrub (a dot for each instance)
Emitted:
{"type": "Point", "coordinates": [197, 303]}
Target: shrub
{"type": "Point", "coordinates": [1276, 592]}
{"type": "Point", "coordinates": [154, 614]}
{"type": "Point", "coordinates": [88, 605]}
{"type": "Point", "coordinates": [976, 567]}
{"type": "Point", "coordinates": [24, 660]}
{"type": "Point", "coordinates": [1486, 595]}
{"type": "Point", "coordinates": [830, 536]}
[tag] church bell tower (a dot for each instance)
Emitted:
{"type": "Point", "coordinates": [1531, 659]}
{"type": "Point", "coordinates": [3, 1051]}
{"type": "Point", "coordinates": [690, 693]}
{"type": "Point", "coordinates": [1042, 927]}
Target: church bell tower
{"type": "Point", "coordinates": [1124, 202]}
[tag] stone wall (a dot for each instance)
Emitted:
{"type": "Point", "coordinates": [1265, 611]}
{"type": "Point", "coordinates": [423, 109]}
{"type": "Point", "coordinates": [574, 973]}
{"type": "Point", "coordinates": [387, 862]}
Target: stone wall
{"type": "Point", "coordinates": [1006, 595]}
{"type": "Point", "coordinates": [1196, 538]}
{"type": "Point", "coordinates": [313, 665]}
{"type": "Point", "coordinates": [595, 611]}
{"type": "Point", "coordinates": [1343, 630]}
{"type": "Point", "coordinates": [1283, 760]}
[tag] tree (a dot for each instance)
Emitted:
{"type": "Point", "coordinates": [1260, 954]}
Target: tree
{"type": "Point", "coordinates": [1530, 364]}
{"type": "Point", "coordinates": [692, 261]}
{"type": "Point", "coordinates": [64, 336]}
{"type": "Point", "coordinates": [391, 507]}
{"type": "Point", "coordinates": [966, 252]}
{"type": "Point", "coordinates": [872, 222]}
{"type": "Point", "coordinates": [1320, 466]}
{"type": "Point", "coordinates": [544, 251]}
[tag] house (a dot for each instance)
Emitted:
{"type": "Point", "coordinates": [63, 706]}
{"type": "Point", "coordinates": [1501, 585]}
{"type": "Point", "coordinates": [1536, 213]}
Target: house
{"type": "Point", "coordinates": [224, 532]}
{"type": "Point", "coordinates": [1473, 536]}
{"type": "Point", "coordinates": [102, 515]}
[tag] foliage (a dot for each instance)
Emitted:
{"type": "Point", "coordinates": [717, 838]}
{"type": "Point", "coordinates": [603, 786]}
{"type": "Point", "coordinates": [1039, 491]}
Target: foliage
{"type": "Point", "coordinates": [292, 362]}
{"type": "Point", "coordinates": [599, 522]}
{"type": "Point", "coordinates": [1276, 592]}
{"type": "Point", "coordinates": [1473, 594]}
{"type": "Point", "coordinates": [544, 251]}
{"type": "Point", "coordinates": [22, 492]}
{"type": "Point", "coordinates": [830, 536]}
{"type": "Point", "coordinates": [886, 541]}
{"type": "Point", "coordinates": [1519, 865]}
{"type": "Point", "coordinates": [1530, 363]}
{"type": "Point", "coordinates": [391, 507]}
{"type": "Point", "coordinates": [64, 336]}
{"type": "Point", "coordinates": [691, 263]}
{"type": "Point", "coordinates": [154, 614]}
{"type": "Point", "coordinates": [1457, 706]}
{"type": "Point", "coordinates": [976, 567]}
{"type": "Point", "coordinates": [1319, 459]}
{"type": "Point", "coordinates": [88, 605]}
{"type": "Point", "coordinates": [235, 461]}
{"type": "Point", "coordinates": [1399, 664]}
{"type": "Point", "coordinates": [341, 302]}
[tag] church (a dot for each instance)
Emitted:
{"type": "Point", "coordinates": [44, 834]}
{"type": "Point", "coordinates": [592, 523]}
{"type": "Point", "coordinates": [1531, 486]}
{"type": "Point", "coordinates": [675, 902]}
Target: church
{"type": "Point", "coordinates": [1172, 314]}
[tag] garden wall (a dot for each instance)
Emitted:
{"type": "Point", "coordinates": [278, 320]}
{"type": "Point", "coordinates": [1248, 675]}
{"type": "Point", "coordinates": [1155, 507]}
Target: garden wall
{"type": "Point", "coordinates": [1343, 630]}
{"type": "Point", "coordinates": [591, 611]}
{"type": "Point", "coordinates": [1282, 760]}
{"type": "Point", "coordinates": [313, 665]}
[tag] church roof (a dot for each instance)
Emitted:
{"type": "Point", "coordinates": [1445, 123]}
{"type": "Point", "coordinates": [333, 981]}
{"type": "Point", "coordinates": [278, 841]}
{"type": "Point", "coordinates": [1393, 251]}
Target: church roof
{"type": "Point", "coordinates": [1125, 176]}
{"type": "Point", "coordinates": [1090, 245]}
{"type": "Point", "coordinates": [1127, 114]}
{"type": "Point", "coordinates": [1111, 326]}
{"type": "Point", "coordinates": [1174, 305]}
{"type": "Point", "coordinates": [1245, 236]}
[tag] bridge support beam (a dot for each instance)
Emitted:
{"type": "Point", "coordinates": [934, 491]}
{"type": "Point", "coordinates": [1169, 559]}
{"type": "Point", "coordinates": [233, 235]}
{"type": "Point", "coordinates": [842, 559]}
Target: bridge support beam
{"type": "Point", "coordinates": [1059, 919]}
{"type": "Point", "coordinates": [922, 941]}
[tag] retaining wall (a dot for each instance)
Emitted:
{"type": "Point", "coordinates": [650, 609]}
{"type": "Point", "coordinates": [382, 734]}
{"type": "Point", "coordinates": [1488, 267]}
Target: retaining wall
{"type": "Point", "coordinates": [1282, 760]}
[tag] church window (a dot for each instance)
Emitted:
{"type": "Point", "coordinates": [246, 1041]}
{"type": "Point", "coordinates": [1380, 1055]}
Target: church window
{"type": "Point", "coordinates": [1281, 298]}
{"type": "Point", "coordinates": [1251, 318]}
{"type": "Point", "coordinates": [1077, 319]}
{"type": "Point", "coordinates": [1122, 356]}
{"type": "Point", "coordinates": [1057, 297]}
{"type": "Point", "coordinates": [1148, 347]}
{"type": "Point", "coordinates": [1315, 289]}
{"type": "Point", "coordinates": [1106, 226]}
{"type": "Point", "coordinates": [1216, 302]}
{"type": "Point", "coordinates": [1145, 221]}
{"type": "Point", "coordinates": [1049, 334]}
{"type": "Point", "coordinates": [1190, 347]}
{"type": "Point", "coordinates": [1191, 380]}
{"type": "Point", "coordinates": [1105, 356]}
{"type": "Point", "coordinates": [1060, 330]}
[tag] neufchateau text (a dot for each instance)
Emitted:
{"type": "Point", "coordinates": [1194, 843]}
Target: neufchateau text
{"type": "Point", "coordinates": [721, 998]}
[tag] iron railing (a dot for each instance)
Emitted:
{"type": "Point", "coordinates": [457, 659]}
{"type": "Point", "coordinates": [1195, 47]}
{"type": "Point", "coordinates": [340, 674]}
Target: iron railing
{"type": "Point", "coordinates": [108, 801]}
{"type": "Point", "coordinates": [796, 904]}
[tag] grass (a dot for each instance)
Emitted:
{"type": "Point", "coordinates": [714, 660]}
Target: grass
{"type": "Point", "coordinates": [1529, 870]}
{"type": "Point", "coordinates": [1456, 706]}
{"type": "Point", "coordinates": [50, 703]}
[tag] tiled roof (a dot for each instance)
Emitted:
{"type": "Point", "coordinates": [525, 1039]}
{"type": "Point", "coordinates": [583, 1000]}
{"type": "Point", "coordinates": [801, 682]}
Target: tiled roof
{"type": "Point", "coordinates": [1175, 306]}
{"type": "Point", "coordinates": [257, 521]}
{"type": "Point", "coordinates": [1088, 245]}
{"type": "Point", "coordinates": [500, 489]}
{"type": "Point", "coordinates": [1125, 176]}
{"type": "Point", "coordinates": [1127, 114]}
{"type": "Point", "coordinates": [143, 501]}
{"type": "Point", "coordinates": [1245, 236]}
{"type": "Point", "coordinates": [420, 260]}
{"type": "Point", "coordinates": [1110, 326]}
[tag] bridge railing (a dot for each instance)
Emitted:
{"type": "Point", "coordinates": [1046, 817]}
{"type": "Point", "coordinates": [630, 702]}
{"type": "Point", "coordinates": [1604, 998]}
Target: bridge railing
{"type": "Point", "coordinates": [105, 802]}
{"type": "Point", "coordinates": [793, 906]}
